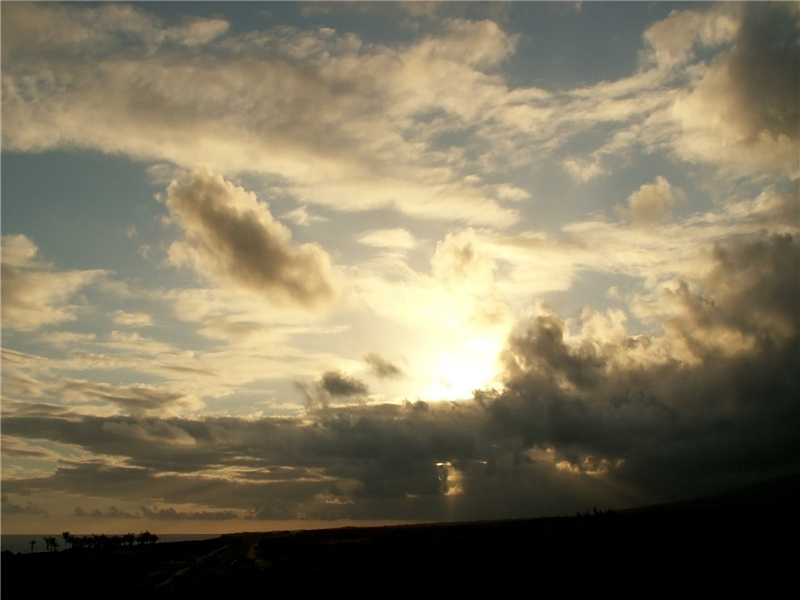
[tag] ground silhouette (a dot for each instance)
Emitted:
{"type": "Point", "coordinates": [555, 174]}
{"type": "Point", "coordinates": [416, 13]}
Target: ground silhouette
{"type": "Point", "coordinates": [712, 545]}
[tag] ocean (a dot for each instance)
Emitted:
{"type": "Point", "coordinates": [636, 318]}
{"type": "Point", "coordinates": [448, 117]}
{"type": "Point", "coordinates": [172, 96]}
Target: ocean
{"type": "Point", "coordinates": [22, 543]}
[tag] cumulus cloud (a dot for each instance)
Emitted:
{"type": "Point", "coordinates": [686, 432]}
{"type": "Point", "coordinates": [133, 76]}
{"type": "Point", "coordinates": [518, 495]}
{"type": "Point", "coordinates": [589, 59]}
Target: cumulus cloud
{"type": "Point", "coordinates": [743, 114]}
{"type": "Point", "coordinates": [33, 293]}
{"type": "Point", "coordinates": [682, 405]}
{"type": "Point", "coordinates": [231, 237]}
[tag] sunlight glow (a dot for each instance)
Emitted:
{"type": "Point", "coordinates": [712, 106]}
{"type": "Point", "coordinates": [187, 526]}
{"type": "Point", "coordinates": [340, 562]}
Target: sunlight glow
{"type": "Point", "coordinates": [458, 371]}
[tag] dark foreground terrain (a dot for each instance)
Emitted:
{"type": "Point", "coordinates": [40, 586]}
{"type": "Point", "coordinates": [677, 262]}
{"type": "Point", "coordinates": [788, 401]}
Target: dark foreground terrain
{"type": "Point", "coordinates": [744, 542]}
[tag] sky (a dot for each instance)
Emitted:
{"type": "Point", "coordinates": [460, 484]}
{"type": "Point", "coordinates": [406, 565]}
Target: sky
{"type": "Point", "coordinates": [286, 265]}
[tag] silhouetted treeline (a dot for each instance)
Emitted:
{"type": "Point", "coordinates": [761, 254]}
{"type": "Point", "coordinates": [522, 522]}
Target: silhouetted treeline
{"type": "Point", "coordinates": [102, 540]}
{"type": "Point", "coordinates": [597, 513]}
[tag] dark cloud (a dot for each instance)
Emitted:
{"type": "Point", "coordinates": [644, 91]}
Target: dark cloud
{"type": "Point", "coordinates": [230, 235]}
{"type": "Point", "coordinates": [337, 383]}
{"type": "Point", "coordinates": [755, 283]}
{"type": "Point", "coordinates": [743, 114]}
{"type": "Point", "coordinates": [9, 508]}
{"type": "Point", "coordinates": [765, 67]}
{"type": "Point", "coordinates": [382, 368]}
{"type": "Point", "coordinates": [723, 412]}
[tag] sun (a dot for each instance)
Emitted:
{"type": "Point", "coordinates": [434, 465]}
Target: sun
{"type": "Point", "coordinates": [459, 370]}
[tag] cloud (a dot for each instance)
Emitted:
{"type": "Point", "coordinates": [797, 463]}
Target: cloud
{"type": "Point", "coordinates": [40, 31]}
{"type": "Point", "coordinates": [589, 413]}
{"type": "Point", "coordinates": [687, 384]}
{"type": "Point", "coordinates": [170, 514]}
{"type": "Point", "coordinates": [735, 112]}
{"type": "Point", "coordinates": [711, 392]}
{"type": "Point", "coordinates": [385, 110]}
{"type": "Point", "coordinates": [743, 114]}
{"type": "Point", "coordinates": [33, 294]}
{"type": "Point", "coordinates": [458, 259]}
{"type": "Point", "coordinates": [231, 237]}
{"type": "Point", "coordinates": [388, 238]}
{"type": "Point", "coordinates": [301, 216]}
{"type": "Point", "coordinates": [132, 319]}
{"type": "Point", "coordinates": [339, 384]}
{"type": "Point", "coordinates": [652, 201]}
{"type": "Point", "coordinates": [111, 513]}
{"type": "Point", "coordinates": [333, 388]}
{"type": "Point", "coordinates": [136, 399]}
{"type": "Point", "coordinates": [480, 43]}
{"type": "Point", "coordinates": [751, 295]}
{"type": "Point", "coordinates": [259, 105]}
{"type": "Point", "coordinates": [382, 367]}
{"type": "Point", "coordinates": [9, 508]}
{"type": "Point", "coordinates": [199, 31]}
{"type": "Point", "coordinates": [582, 170]}
{"type": "Point", "coordinates": [672, 41]}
